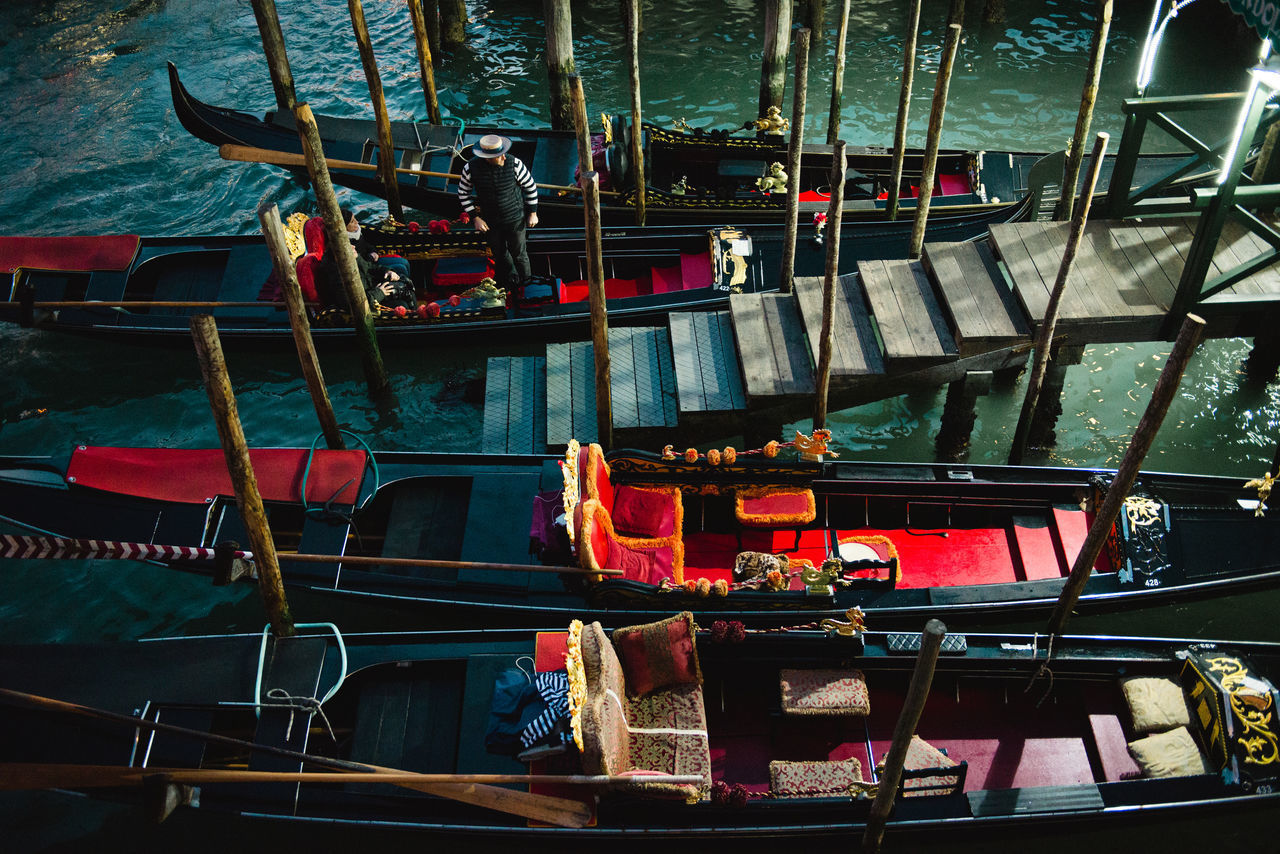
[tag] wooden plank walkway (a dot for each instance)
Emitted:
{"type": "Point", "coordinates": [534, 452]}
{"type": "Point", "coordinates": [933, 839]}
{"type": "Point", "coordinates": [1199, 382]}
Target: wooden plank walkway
{"type": "Point", "coordinates": [855, 351]}
{"type": "Point", "coordinates": [771, 346]}
{"type": "Point", "coordinates": [912, 328]}
{"type": "Point", "coordinates": [515, 398]}
{"type": "Point", "coordinates": [706, 362]}
{"type": "Point", "coordinates": [980, 308]}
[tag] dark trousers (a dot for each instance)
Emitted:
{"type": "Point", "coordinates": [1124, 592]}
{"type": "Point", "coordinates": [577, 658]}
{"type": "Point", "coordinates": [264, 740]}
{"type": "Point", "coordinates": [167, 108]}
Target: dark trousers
{"type": "Point", "coordinates": [510, 255]}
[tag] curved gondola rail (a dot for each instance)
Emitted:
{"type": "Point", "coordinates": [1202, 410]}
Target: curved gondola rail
{"type": "Point", "coordinates": [249, 154]}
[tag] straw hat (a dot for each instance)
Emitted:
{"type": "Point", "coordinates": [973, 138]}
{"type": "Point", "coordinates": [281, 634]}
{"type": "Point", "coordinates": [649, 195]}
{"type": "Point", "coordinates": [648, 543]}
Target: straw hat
{"type": "Point", "coordinates": [491, 146]}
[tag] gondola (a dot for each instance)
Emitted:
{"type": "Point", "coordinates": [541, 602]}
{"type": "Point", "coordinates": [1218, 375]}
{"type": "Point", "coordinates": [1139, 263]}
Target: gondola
{"type": "Point", "coordinates": [146, 289]}
{"type": "Point", "coordinates": [691, 177]}
{"type": "Point", "coordinates": [666, 732]}
{"type": "Point", "coordinates": [625, 537]}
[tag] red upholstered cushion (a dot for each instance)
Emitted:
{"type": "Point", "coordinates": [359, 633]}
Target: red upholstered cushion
{"type": "Point", "coordinates": [658, 655]}
{"type": "Point", "coordinates": [599, 541]}
{"type": "Point", "coordinates": [598, 485]}
{"type": "Point", "coordinates": [772, 507]}
{"type": "Point", "coordinates": [643, 512]}
{"type": "Point", "coordinates": [696, 270]}
{"type": "Point", "coordinates": [953, 185]}
{"type": "Point", "coordinates": [573, 291]}
{"type": "Point", "coordinates": [619, 288]}
{"type": "Point", "coordinates": [649, 564]}
{"type": "Point", "coordinates": [667, 279]}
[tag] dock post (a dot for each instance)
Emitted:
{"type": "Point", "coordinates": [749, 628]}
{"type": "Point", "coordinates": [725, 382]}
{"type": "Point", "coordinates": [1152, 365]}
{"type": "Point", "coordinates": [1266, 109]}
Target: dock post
{"type": "Point", "coordinates": [773, 64]}
{"type": "Point", "coordinates": [1042, 431]}
{"type": "Point", "coordinates": [1264, 357]}
{"type": "Point", "coordinates": [788, 271]}
{"type": "Point", "coordinates": [1162, 395]}
{"type": "Point", "coordinates": [826, 345]}
{"type": "Point", "coordinates": [375, 373]}
{"type": "Point", "coordinates": [814, 15]}
{"type": "Point", "coordinates": [908, 719]}
{"type": "Point", "coordinates": [277, 59]}
{"type": "Point", "coordinates": [993, 12]}
{"type": "Point", "coordinates": [559, 59]}
{"type": "Point", "coordinates": [637, 136]}
{"type": "Point", "coordinates": [959, 414]}
{"type": "Point", "coordinates": [578, 101]}
{"type": "Point", "coordinates": [837, 75]}
{"type": "Point", "coordinates": [1088, 97]}
{"type": "Point", "coordinates": [213, 367]}
{"type": "Point", "coordinates": [386, 148]}
{"type": "Point", "coordinates": [426, 64]}
{"type": "Point", "coordinates": [930, 166]}
{"type": "Point", "coordinates": [904, 107]}
{"type": "Point", "coordinates": [273, 232]}
{"type": "Point", "coordinates": [431, 17]}
{"type": "Point", "coordinates": [1050, 320]}
{"type": "Point", "coordinates": [453, 24]}
{"type": "Point", "coordinates": [599, 313]}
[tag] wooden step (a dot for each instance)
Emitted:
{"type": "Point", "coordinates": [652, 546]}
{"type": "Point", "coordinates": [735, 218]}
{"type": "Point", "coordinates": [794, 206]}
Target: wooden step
{"type": "Point", "coordinates": [641, 378]}
{"type": "Point", "coordinates": [708, 378]}
{"type": "Point", "coordinates": [771, 346]}
{"type": "Point", "coordinates": [981, 310]}
{"type": "Point", "coordinates": [515, 399]}
{"type": "Point", "coordinates": [913, 330]}
{"type": "Point", "coordinates": [855, 351]}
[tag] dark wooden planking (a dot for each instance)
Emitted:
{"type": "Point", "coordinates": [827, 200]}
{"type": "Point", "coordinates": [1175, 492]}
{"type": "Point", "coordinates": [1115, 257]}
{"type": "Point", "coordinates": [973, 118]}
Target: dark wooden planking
{"type": "Point", "coordinates": [791, 353]}
{"type": "Point", "coordinates": [559, 420]}
{"type": "Point", "coordinates": [729, 353]}
{"type": "Point", "coordinates": [1046, 243]}
{"type": "Point", "coordinates": [759, 373]}
{"type": "Point", "coordinates": [904, 306]}
{"type": "Point", "coordinates": [584, 392]}
{"type": "Point", "coordinates": [650, 410]}
{"type": "Point", "coordinates": [969, 316]}
{"type": "Point", "coordinates": [854, 348]}
{"type": "Point", "coordinates": [1150, 273]}
{"type": "Point", "coordinates": [622, 378]}
{"type": "Point", "coordinates": [684, 357]}
{"type": "Point", "coordinates": [1124, 276]}
{"type": "Point", "coordinates": [497, 417]}
{"type": "Point", "coordinates": [1028, 284]}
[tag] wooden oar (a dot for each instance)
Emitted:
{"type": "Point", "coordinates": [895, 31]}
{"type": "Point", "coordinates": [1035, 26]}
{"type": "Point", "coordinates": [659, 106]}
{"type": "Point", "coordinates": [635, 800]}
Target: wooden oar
{"type": "Point", "coordinates": [16, 776]}
{"type": "Point", "coordinates": [249, 154]}
{"type": "Point", "coordinates": [545, 808]}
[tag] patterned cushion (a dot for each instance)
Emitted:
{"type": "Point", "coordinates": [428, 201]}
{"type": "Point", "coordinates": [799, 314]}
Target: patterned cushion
{"type": "Point", "coordinates": [813, 779]}
{"type": "Point", "coordinates": [1169, 754]}
{"type": "Point", "coordinates": [658, 655]}
{"type": "Point", "coordinates": [1157, 704]}
{"type": "Point", "coordinates": [605, 743]}
{"type": "Point", "coordinates": [645, 559]}
{"type": "Point", "coordinates": [921, 754]}
{"type": "Point", "coordinates": [643, 512]}
{"type": "Point", "coordinates": [684, 751]}
{"type": "Point", "coordinates": [825, 692]}
{"type": "Point", "coordinates": [772, 507]}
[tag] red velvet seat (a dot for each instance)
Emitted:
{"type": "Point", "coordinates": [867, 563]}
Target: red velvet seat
{"type": "Point", "coordinates": [775, 507]}
{"type": "Point", "coordinates": [648, 560]}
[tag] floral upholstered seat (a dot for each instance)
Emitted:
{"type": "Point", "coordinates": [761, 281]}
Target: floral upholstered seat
{"type": "Point", "coordinates": [814, 779]}
{"type": "Point", "coordinates": [824, 692]}
{"type": "Point", "coordinates": [923, 756]}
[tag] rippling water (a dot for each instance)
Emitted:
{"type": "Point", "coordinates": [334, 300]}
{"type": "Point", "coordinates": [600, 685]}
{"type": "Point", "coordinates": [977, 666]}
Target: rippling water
{"type": "Point", "coordinates": [91, 145]}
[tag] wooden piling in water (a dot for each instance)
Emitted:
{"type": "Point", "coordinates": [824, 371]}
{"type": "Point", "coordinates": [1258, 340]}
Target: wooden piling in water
{"type": "Point", "coordinates": [282, 263]}
{"type": "Point", "coordinates": [599, 314]}
{"type": "Point", "coordinates": [336, 240]}
{"type": "Point", "coordinates": [930, 166]}
{"type": "Point", "coordinates": [1048, 324]}
{"type": "Point", "coordinates": [826, 344]}
{"type": "Point", "coordinates": [213, 367]}
{"type": "Point", "coordinates": [581, 126]}
{"type": "Point", "coordinates": [431, 17]}
{"type": "Point", "coordinates": [814, 19]}
{"type": "Point", "coordinates": [1088, 97]}
{"type": "Point", "coordinates": [993, 12]}
{"type": "Point", "coordinates": [788, 270]}
{"type": "Point", "coordinates": [637, 137]}
{"type": "Point", "coordinates": [264, 11]}
{"type": "Point", "coordinates": [837, 75]}
{"type": "Point", "coordinates": [453, 23]}
{"type": "Point", "coordinates": [959, 414]}
{"type": "Point", "coordinates": [386, 148]}
{"type": "Point", "coordinates": [559, 60]}
{"type": "Point", "coordinates": [773, 64]}
{"type": "Point", "coordinates": [426, 64]}
{"type": "Point", "coordinates": [908, 719]}
{"type": "Point", "coordinates": [1166, 388]}
{"type": "Point", "coordinates": [904, 107]}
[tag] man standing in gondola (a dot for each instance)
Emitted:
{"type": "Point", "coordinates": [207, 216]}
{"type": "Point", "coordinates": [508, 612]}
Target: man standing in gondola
{"type": "Point", "coordinates": [499, 194]}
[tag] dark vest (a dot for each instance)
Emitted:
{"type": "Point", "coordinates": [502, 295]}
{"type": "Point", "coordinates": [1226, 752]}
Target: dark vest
{"type": "Point", "coordinates": [497, 192]}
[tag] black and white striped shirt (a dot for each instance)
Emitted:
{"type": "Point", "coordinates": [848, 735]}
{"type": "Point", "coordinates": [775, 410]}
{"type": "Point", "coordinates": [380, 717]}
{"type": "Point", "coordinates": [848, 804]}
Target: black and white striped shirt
{"type": "Point", "coordinates": [497, 191]}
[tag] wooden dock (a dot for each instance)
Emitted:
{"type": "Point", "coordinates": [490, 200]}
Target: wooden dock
{"type": "Point", "coordinates": [898, 325]}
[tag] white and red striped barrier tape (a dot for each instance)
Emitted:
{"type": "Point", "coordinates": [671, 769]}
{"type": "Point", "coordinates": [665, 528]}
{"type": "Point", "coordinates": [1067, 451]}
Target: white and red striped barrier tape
{"type": "Point", "coordinates": [53, 548]}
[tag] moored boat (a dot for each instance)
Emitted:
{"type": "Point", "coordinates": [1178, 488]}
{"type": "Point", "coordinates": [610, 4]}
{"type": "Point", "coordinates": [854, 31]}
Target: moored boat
{"type": "Point", "coordinates": [742, 536]}
{"type": "Point", "coordinates": [742, 735]}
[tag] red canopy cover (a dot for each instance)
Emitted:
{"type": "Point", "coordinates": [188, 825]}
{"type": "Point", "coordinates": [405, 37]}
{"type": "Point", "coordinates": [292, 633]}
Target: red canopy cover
{"type": "Point", "coordinates": [195, 477]}
{"type": "Point", "coordinates": [70, 254]}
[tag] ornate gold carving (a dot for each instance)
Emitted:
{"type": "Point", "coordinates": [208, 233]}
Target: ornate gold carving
{"type": "Point", "coordinates": [1251, 703]}
{"type": "Point", "coordinates": [1141, 511]}
{"type": "Point", "coordinates": [852, 628]}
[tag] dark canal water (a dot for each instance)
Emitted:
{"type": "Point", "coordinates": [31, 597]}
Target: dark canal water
{"type": "Point", "coordinates": [91, 145]}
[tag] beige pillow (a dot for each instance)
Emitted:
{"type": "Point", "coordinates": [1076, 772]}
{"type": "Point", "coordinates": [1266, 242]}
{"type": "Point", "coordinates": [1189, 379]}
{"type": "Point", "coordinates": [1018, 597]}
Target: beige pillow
{"type": "Point", "coordinates": [1156, 703]}
{"type": "Point", "coordinates": [1169, 754]}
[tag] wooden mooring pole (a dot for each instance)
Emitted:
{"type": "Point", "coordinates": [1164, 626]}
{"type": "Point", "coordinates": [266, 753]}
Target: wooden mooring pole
{"type": "Point", "coordinates": [336, 240]}
{"type": "Point", "coordinates": [1088, 97]}
{"type": "Point", "coordinates": [904, 108]}
{"type": "Point", "coordinates": [1166, 388]}
{"type": "Point", "coordinates": [599, 313]}
{"type": "Point", "coordinates": [426, 63]}
{"type": "Point", "coordinates": [826, 344]}
{"type": "Point", "coordinates": [431, 17]}
{"type": "Point", "coordinates": [908, 719]}
{"type": "Point", "coordinates": [386, 148]}
{"type": "Point", "coordinates": [801, 49]}
{"type": "Point", "coordinates": [213, 367]}
{"type": "Point", "coordinates": [837, 75]}
{"type": "Point", "coordinates": [582, 127]}
{"type": "Point", "coordinates": [930, 166]}
{"type": "Point", "coordinates": [773, 64]}
{"type": "Point", "coordinates": [1050, 320]}
{"type": "Point", "coordinates": [282, 263]}
{"type": "Point", "coordinates": [559, 59]}
{"type": "Point", "coordinates": [814, 17]}
{"type": "Point", "coordinates": [264, 11]}
{"type": "Point", "coordinates": [453, 23]}
{"type": "Point", "coordinates": [637, 136]}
